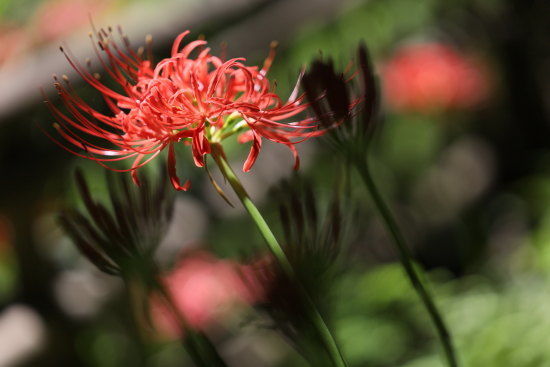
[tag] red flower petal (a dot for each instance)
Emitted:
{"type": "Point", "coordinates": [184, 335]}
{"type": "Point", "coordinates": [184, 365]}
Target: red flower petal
{"type": "Point", "coordinates": [254, 152]}
{"type": "Point", "coordinates": [174, 179]}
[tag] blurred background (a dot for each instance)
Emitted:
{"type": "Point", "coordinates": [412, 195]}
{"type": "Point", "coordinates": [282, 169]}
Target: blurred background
{"type": "Point", "coordinates": [462, 155]}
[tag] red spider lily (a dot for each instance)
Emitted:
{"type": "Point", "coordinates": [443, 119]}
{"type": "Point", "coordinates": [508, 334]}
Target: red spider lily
{"type": "Point", "coordinates": [195, 100]}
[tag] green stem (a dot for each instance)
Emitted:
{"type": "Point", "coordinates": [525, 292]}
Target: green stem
{"type": "Point", "coordinates": [316, 318]}
{"type": "Point", "coordinates": [406, 261]}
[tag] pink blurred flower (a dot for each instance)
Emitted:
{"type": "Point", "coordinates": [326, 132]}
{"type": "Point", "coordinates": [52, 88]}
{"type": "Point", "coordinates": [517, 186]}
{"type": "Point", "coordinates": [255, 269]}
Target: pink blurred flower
{"type": "Point", "coordinates": [13, 41]}
{"type": "Point", "coordinates": [205, 290]}
{"type": "Point", "coordinates": [57, 18]}
{"type": "Point", "coordinates": [433, 76]}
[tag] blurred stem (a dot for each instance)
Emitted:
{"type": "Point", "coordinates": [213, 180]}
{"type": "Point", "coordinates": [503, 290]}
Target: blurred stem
{"type": "Point", "coordinates": [142, 279]}
{"type": "Point", "coordinates": [325, 334]}
{"type": "Point", "coordinates": [407, 263]}
{"type": "Point", "coordinates": [198, 346]}
{"type": "Point", "coordinates": [136, 303]}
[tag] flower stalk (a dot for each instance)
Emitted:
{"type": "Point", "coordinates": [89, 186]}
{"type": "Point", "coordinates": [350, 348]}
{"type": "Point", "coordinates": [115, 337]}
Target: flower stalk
{"type": "Point", "coordinates": [325, 335]}
{"type": "Point", "coordinates": [405, 257]}
{"type": "Point", "coordinates": [198, 346]}
{"type": "Point", "coordinates": [329, 96]}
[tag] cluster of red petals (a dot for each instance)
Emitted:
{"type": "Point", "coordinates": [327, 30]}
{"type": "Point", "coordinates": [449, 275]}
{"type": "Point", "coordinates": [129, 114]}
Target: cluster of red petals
{"type": "Point", "coordinates": [204, 290]}
{"type": "Point", "coordinates": [433, 76]}
{"type": "Point", "coordinates": [192, 97]}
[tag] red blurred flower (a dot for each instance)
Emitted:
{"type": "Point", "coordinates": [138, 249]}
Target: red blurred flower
{"type": "Point", "coordinates": [195, 100]}
{"type": "Point", "coordinates": [433, 76]}
{"type": "Point", "coordinates": [204, 289]}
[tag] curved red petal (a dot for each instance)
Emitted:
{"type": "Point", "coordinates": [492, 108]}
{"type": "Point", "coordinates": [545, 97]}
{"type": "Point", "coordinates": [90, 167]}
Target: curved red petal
{"type": "Point", "coordinates": [174, 179]}
{"type": "Point", "coordinates": [254, 152]}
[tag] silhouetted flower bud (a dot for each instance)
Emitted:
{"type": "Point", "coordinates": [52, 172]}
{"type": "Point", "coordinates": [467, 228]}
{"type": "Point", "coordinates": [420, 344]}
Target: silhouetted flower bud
{"type": "Point", "coordinates": [348, 110]}
{"type": "Point", "coordinates": [126, 236]}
